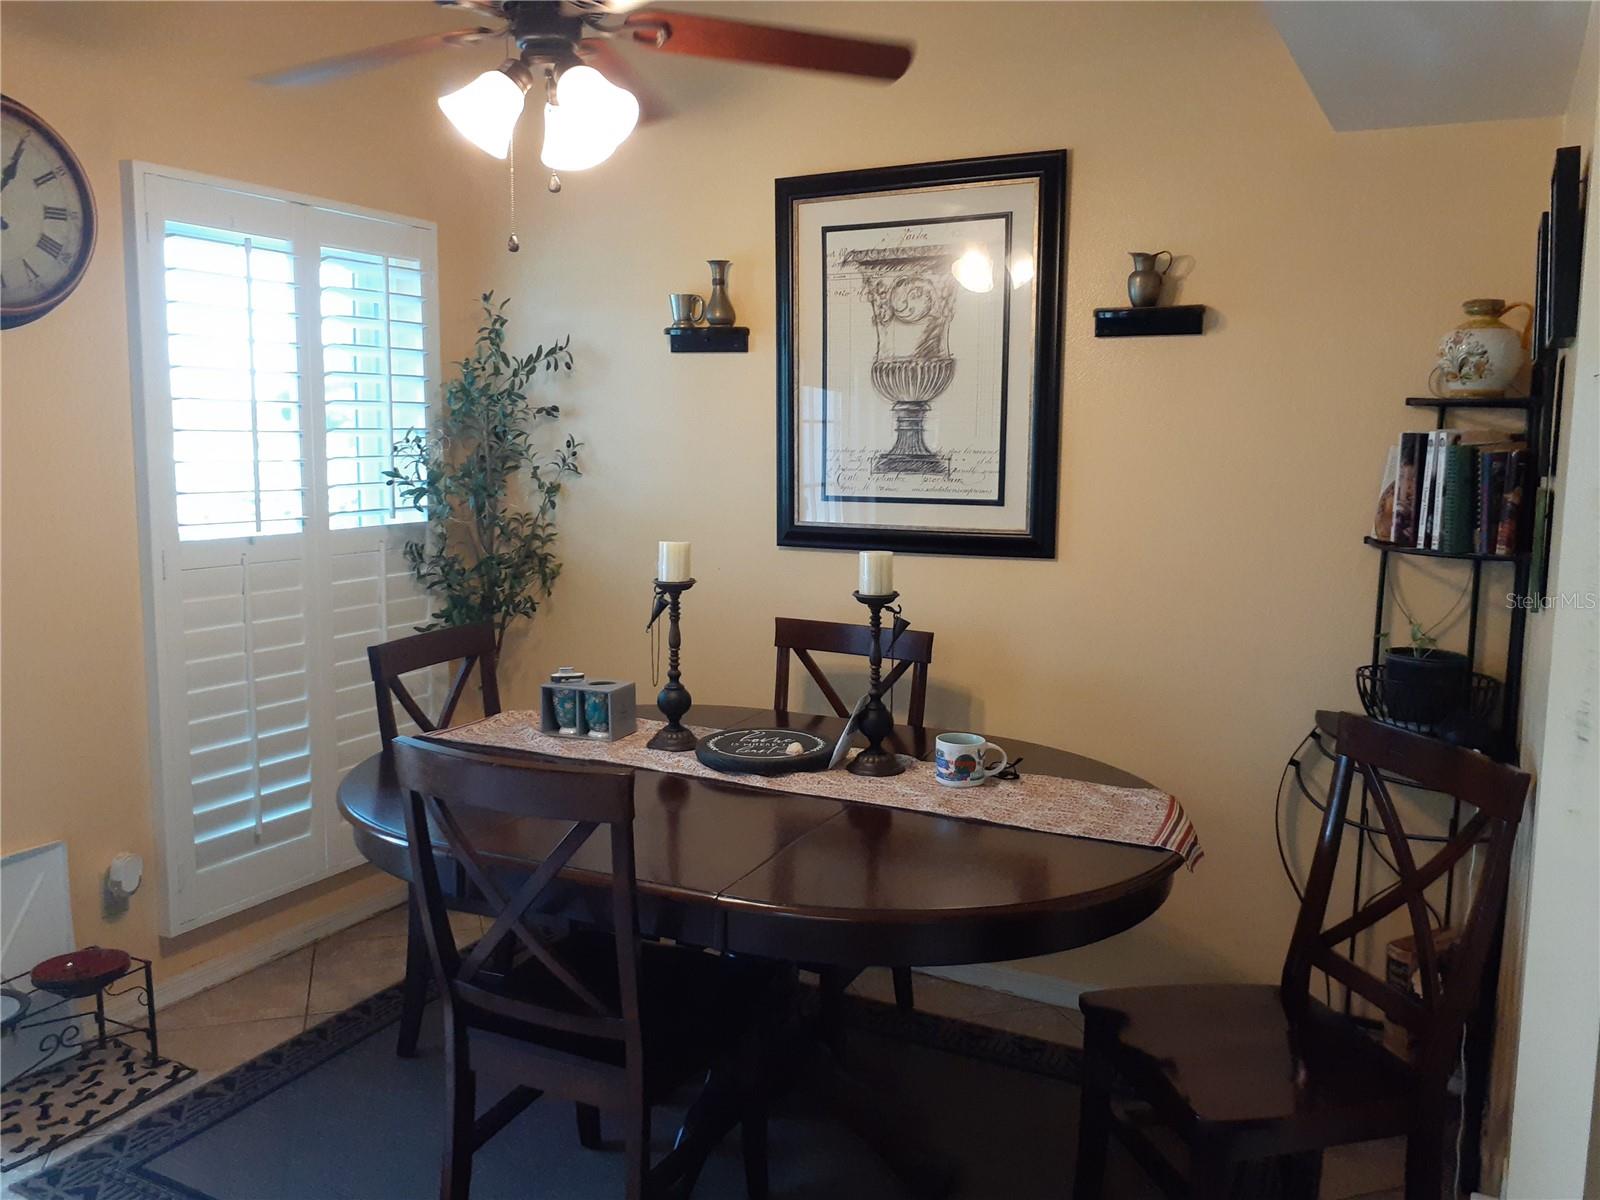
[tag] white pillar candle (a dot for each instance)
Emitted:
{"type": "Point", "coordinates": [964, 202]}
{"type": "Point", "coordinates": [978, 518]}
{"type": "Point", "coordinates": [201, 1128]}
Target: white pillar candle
{"type": "Point", "coordinates": [877, 573]}
{"type": "Point", "coordinates": [672, 562]}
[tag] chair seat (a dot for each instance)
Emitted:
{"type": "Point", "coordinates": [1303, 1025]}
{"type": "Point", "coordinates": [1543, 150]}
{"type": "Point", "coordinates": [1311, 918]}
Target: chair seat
{"type": "Point", "coordinates": [691, 1005]}
{"type": "Point", "coordinates": [1227, 1054]}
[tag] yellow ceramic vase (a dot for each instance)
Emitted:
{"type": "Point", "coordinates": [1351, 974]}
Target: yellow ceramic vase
{"type": "Point", "coordinates": [1480, 358]}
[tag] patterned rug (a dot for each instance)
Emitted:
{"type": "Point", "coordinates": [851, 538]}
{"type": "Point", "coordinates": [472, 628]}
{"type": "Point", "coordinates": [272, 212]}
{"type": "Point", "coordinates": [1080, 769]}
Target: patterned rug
{"type": "Point", "coordinates": [47, 1108]}
{"type": "Point", "coordinates": [330, 1113]}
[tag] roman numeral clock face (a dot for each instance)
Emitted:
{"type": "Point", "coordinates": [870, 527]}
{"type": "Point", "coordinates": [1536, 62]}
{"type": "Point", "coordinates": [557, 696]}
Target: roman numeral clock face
{"type": "Point", "coordinates": [46, 217]}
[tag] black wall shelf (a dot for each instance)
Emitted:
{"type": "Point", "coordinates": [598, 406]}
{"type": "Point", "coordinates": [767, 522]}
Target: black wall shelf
{"type": "Point", "coordinates": [1508, 403]}
{"type": "Point", "coordinates": [709, 339]}
{"type": "Point", "coordinates": [1175, 320]}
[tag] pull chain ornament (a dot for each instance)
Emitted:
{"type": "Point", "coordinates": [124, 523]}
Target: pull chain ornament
{"type": "Point", "coordinates": [513, 243]}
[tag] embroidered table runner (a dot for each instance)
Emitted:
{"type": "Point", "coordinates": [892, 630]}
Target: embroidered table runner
{"type": "Point", "coordinates": [1137, 816]}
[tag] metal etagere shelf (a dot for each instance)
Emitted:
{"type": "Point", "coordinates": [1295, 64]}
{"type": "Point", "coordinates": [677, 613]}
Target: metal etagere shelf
{"type": "Point", "coordinates": [1503, 744]}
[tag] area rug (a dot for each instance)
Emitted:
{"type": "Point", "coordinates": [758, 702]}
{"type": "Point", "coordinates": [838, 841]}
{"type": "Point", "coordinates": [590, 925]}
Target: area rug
{"type": "Point", "coordinates": [333, 1114]}
{"type": "Point", "coordinates": [49, 1107]}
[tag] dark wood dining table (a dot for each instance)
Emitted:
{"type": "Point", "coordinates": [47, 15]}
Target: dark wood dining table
{"type": "Point", "coordinates": [832, 885]}
{"type": "Point", "coordinates": [820, 881]}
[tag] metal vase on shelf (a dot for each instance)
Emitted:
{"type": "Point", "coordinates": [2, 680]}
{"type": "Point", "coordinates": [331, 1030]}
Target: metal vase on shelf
{"type": "Point", "coordinates": [719, 309]}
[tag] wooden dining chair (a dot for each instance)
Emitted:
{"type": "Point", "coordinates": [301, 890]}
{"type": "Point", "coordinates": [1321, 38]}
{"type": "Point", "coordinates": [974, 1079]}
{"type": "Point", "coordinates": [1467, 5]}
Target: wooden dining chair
{"type": "Point", "coordinates": [472, 645]}
{"type": "Point", "coordinates": [609, 1021]}
{"type": "Point", "coordinates": [1245, 1073]}
{"type": "Point", "coordinates": [912, 651]}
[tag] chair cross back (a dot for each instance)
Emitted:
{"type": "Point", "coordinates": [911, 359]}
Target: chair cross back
{"type": "Point", "coordinates": [912, 651]}
{"type": "Point", "coordinates": [444, 785]}
{"type": "Point", "coordinates": [474, 645]}
{"type": "Point", "coordinates": [1376, 754]}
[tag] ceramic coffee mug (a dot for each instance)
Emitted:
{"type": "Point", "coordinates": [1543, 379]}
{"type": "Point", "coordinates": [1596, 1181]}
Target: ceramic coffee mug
{"type": "Point", "coordinates": [687, 309]}
{"type": "Point", "coordinates": [958, 759]}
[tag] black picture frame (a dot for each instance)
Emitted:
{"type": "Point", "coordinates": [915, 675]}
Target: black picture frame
{"type": "Point", "coordinates": [1560, 327]}
{"type": "Point", "coordinates": [1049, 169]}
{"type": "Point", "coordinates": [1541, 347]}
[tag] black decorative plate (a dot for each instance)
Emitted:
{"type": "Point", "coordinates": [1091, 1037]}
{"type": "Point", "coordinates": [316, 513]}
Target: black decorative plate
{"type": "Point", "coordinates": [764, 751]}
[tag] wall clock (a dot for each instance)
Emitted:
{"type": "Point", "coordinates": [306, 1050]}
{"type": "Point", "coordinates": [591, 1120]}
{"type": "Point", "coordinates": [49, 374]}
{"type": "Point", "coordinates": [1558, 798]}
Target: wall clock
{"type": "Point", "coordinates": [47, 210]}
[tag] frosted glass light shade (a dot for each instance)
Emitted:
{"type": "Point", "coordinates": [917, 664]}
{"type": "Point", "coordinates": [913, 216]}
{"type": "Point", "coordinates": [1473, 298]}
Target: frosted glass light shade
{"type": "Point", "coordinates": [590, 119]}
{"type": "Point", "coordinates": [486, 110]}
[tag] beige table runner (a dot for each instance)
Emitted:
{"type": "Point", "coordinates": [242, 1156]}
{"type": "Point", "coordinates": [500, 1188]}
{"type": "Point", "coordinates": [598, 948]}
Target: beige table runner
{"type": "Point", "coordinates": [1137, 816]}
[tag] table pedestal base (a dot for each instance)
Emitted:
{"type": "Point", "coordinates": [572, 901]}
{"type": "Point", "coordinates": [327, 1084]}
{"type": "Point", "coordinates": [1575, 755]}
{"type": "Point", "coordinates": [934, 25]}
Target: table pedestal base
{"type": "Point", "coordinates": [800, 1051]}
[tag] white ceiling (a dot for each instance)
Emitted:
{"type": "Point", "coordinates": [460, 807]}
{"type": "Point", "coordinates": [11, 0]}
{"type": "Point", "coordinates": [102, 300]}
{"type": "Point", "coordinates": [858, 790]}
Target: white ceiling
{"type": "Point", "coordinates": [1379, 64]}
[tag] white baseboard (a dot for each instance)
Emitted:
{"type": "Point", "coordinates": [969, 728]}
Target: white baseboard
{"type": "Point", "coordinates": [180, 986]}
{"type": "Point", "coordinates": [1030, 985]}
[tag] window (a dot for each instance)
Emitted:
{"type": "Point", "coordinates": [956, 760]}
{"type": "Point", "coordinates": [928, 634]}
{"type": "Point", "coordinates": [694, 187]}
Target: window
{"type": "Point", "coordinates": [285, 345]}
{"type": "Point", "coordinates": [374, 365]}
{"type": "Point", "coordinates": [233, 360]}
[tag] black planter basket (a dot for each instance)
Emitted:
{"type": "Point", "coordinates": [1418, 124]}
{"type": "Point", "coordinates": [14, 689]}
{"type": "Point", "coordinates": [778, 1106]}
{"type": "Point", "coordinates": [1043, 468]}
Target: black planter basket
{"type": "Point", "coordinates": [1471, 720]}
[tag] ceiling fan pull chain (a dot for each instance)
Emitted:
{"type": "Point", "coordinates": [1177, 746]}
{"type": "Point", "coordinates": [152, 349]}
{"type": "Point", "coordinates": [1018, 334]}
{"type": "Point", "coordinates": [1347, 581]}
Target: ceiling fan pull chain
{"type": "Point", "coordinates": [513, 243]}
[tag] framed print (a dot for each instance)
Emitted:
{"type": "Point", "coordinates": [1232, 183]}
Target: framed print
{"type": "Point", "coordinates": [1566, 249]}
{"type": "Point", "coordinates": [919, 372]}
{"type": "Point", "coordinates": [1540, 326]}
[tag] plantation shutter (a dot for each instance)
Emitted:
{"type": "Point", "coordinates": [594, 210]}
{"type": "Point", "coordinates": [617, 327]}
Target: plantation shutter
{"type": "Point", "coordinates": [377, 310]}
{"type": "Point", "coordinates": [271, 395]}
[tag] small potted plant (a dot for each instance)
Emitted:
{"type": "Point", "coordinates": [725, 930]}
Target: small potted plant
{"type": "Point", "coordinates": [1424, 685]}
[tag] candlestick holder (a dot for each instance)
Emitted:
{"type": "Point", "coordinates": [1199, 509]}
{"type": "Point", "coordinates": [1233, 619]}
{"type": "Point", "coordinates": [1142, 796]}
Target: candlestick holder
{"type": "Point", "coordinates": [877, 722]}
{"type": "Point", "coordinates": [674, 700]}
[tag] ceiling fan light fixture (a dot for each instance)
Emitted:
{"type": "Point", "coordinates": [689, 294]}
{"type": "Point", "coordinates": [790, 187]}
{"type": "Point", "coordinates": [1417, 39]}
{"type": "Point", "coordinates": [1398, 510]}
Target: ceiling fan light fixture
{"type": "Point", "coordinates": [590, 118]}
{"type": "Point", "coordinates": [974, 270]}
{"type": "Point", "coordinates": [485, 112]}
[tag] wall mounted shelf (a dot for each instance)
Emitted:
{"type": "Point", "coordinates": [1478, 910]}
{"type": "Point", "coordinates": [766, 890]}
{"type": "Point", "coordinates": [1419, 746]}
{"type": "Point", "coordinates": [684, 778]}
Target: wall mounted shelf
{"type": "Point", "coordinates": [709, 339]}
{"type": "Point", "coordinates": [1470, 402]}
{"type": "Point", "coordinates": [1173, 321]}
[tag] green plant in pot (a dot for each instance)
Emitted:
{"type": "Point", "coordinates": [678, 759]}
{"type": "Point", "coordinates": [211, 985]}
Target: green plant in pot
{"type": "Point", "coordinates": [488, 490]}
{"type": "Point", "coordinates": [1424, 685]}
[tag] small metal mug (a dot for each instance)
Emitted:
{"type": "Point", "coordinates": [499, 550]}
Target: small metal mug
{"type": "Point", "coordinates": [688, 309]}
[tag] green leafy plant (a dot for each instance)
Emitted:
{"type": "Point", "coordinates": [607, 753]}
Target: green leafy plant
{"type": "Point", "coordinates": [487, 490]}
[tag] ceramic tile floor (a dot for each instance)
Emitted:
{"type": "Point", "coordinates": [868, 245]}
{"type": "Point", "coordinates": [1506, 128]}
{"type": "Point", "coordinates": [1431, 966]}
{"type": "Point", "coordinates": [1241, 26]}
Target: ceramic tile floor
{"type": "Point", "coordinates": [224, 1026]}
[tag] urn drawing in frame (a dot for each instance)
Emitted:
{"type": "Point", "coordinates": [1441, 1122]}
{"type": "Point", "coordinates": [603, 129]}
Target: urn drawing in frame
{"type": "Point", "coordinates": [911, 293]}
{"type": "Point", "coordinates": [919, 356]}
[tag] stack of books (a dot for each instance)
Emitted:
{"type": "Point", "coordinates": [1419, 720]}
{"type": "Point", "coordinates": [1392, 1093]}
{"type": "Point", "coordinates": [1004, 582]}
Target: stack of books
{"type": "Point", "coordinates": [1457, 491]}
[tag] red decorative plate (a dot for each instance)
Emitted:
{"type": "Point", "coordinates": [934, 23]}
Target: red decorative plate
{"type": "Point", "coordinates": [80, 973]}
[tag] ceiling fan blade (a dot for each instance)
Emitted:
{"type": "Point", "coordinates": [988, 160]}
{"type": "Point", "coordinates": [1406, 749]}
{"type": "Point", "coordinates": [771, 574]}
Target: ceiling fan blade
{"type": "Point", "coordinates": [739, 41]}
{"type": "Point", "coordinates": [340, 65]}
{"type": "Point", "coordinates": [605, 58]}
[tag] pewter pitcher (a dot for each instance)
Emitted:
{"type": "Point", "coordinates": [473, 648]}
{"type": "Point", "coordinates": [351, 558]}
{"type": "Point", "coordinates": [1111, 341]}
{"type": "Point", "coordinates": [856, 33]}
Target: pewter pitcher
{"type": "Point", "coordinates": [1144, 284]}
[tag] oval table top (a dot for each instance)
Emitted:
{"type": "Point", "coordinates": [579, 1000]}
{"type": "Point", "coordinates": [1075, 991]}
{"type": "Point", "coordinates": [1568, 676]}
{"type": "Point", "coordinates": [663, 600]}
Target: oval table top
{"type": "Point", "coordinates": [820, 881]}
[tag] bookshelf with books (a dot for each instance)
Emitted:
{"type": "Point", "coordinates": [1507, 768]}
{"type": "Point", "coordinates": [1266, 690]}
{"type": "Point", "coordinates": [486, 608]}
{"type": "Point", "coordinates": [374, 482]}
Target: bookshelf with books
{"type": "Point", "coordinates": [1465, 493]}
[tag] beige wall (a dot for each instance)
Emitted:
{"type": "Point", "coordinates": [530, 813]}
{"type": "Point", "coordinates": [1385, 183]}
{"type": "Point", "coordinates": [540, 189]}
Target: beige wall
{"type": "Point", "coordinates": [166, 83]}
{"type": "Point", "coordinates": [1211, 589]}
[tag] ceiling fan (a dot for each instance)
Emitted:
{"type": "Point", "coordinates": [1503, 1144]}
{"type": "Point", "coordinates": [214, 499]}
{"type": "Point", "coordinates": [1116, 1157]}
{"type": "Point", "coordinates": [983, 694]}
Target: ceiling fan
{"type": "Point", "coordinates": [593, 98]}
